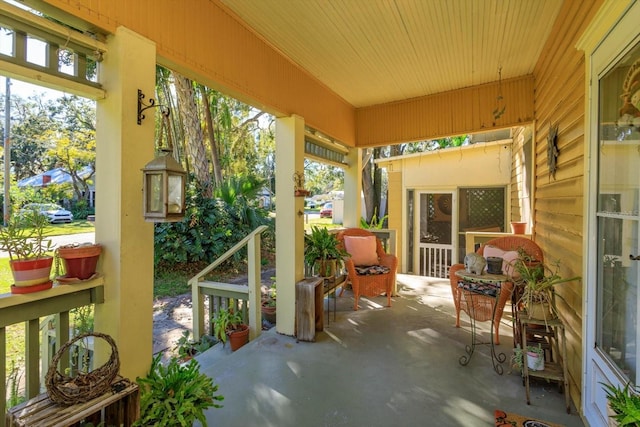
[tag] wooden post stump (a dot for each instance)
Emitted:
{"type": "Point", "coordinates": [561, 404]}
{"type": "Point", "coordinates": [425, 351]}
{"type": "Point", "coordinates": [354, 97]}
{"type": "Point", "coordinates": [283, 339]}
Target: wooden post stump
{"type": "Point", "coordinates": [309, 308]}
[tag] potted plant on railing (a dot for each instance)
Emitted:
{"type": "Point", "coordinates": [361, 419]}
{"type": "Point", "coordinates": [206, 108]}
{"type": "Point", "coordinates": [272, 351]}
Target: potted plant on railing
{"type": "Point", "coordinates": [322, 251]}
{"type": "Point", "coordinates": [80, 261]}
{"type": "Point", "coordinates": [537, 281]}
{"type": "Point", "coordinates": [29, 252]}
{"type": "Point", "coordinates": [229, 324]}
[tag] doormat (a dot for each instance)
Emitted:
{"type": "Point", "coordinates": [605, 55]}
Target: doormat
{"type": "Point", "coordinates": [506, 419]}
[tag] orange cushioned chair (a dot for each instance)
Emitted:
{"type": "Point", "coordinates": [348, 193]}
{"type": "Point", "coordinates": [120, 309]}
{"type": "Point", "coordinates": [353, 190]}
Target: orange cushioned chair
{"type": "Point", "coordinates": [370, 270]}
{"type": "Point", "coordinates": [481, 307]}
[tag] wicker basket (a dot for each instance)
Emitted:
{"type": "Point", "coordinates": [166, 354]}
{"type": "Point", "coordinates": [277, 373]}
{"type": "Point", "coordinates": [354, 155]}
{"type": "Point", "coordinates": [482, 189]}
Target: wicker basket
{"type": "Point", "coordinates": [84, 386]}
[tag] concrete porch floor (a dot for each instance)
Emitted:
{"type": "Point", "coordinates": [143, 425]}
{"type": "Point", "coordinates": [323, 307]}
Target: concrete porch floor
{"type": "Point", "coordinates": [377, 366]}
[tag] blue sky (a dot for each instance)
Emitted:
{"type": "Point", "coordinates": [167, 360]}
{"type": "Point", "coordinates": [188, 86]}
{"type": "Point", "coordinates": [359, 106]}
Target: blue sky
{"type": "Point", "coordinates": [25, 90]}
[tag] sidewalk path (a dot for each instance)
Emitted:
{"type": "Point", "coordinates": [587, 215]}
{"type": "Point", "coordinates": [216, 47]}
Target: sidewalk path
{"type": "Point", "coordinates": [65, 240]}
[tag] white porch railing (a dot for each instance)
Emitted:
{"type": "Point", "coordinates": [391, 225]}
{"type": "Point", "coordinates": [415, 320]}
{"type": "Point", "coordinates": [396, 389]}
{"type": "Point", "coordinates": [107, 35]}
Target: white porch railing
{"type": "Point", "coordinates": [29, 308]}
{"type": "Point", "coordinates": [245, 298]}
{"type": "Point", "coordinates": [435, 259]}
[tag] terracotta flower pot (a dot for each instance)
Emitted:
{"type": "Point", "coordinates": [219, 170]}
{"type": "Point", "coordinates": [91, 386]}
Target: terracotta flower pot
{"type": "Point", "coordinates": [268, 313]}
{"type": "Point", "coordinates": [239, 337]}
{"type": "Point", "coordinates": [518, 227]}
{"type": "Point", "coordinates": [80, 261]}
{"type": "Point", "coordinates": [31, 272]}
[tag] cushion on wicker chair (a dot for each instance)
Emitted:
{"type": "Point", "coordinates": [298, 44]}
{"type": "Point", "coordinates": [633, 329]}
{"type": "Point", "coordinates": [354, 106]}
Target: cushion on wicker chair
{"type": "Point", "coordinates": [362, 250]}
{"type": "Point", "coordinates": [371, 270]}
{"type": "Point", "coordinates": [509, 259]}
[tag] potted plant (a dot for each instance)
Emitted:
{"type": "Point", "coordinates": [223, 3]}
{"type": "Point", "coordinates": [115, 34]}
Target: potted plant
{"type": "Point", "coordinates": [29, 251]}
{"type": "Point", "coordinates": [535, 357]}
{"type": "Point", "coordinates": [187, 348]}
{"type": "Point", "coordinates": [79, 259]}
{"type": "Point", "coordinates": [623, 405]}
{"type": "Point", "coordinates": [229, 324]}
{"type": "Point", "coordinates": [175, 395]}
{"type": "Point", "coordinates": [537, 281]}
{"type": "Point", "coordinates": [322, 250]}
{"type": "Point", "coordinates": [268, 303]}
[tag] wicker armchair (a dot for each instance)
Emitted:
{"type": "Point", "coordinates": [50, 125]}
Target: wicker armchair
{"type": "Point", "coordinates": [483, 306]}
{"type": "Point", "coordinates": [370, 285]}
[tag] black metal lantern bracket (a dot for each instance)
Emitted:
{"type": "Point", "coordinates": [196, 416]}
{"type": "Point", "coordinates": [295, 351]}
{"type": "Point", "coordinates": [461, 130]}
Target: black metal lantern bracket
{"type": "Point", "coordinates": [142, 107]}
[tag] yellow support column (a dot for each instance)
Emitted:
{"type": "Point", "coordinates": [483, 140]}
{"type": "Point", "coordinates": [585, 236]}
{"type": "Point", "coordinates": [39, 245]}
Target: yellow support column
{"type": "Point", "coordinates": [353, 189]}
{"type": "Point", "coordinates": [289, 219]}
{"type": "Point", "coordinates": [122, 149]}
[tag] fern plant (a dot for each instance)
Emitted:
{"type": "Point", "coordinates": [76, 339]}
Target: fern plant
{"type": "Point", "coordinates": [176, 395]}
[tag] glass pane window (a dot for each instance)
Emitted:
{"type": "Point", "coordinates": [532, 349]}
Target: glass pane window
{"type": "Point", "coordinates": [618, 214]}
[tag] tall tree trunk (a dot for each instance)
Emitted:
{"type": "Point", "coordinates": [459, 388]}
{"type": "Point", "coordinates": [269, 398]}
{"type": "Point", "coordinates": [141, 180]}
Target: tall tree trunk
{"type": "Point", "coordinates": [173, 123]}
{"type": "Point", "coordinates": [377, 184]}
{"type": "Point", "coordinates": [193, 131]}
{"type": "Point", "coordinates": [367, 185]}
{"type": "Point", "coordinates": [215, 153]}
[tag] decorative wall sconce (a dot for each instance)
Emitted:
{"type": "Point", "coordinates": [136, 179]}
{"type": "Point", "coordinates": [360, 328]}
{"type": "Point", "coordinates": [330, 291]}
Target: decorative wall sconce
{"type": "Point", "coordinates": [152, 104]}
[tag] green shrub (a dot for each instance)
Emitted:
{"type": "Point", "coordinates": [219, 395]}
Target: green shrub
{"type": "Point", "coordinates": [210, 228]}
{"type": "Point", "coordinates": [175, 395]}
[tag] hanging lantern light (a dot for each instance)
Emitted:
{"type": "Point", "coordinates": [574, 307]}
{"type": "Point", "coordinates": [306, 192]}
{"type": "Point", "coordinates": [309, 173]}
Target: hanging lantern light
{"type": "Point", "coordinates": [164, 183]}
{"type": "Point", "coordinates": [163, 179]}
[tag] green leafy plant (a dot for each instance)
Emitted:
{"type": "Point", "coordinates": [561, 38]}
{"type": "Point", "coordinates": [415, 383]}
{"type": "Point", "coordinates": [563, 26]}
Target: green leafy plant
{"type": "Point", "coordinates": [176, 395]}
{"type": "Point", "coordinates": [188, 348]}
{"type": "Point", "coordinates": [375, 223]}
{"type": "Point", "coordinates": [625, 403]}
{"type": "Point", "coordinates": [23, 237]}
{"type": "Point", "coordinates": [538, 281]}
{"type": "Point", "coordinates": [14, 377]}
{"type": "Point", "coordinates": [321, 246]}
{"type": "Point", "coordinates": [269, 297]}
{"type": "Point", "coordinates": [225, 322]}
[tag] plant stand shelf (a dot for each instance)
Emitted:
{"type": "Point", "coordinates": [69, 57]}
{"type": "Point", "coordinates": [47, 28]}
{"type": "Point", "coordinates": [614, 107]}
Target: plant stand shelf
{"type": "Point", "coordinates": [553, 333]}
{"type": "Point", "coordinates": [118, 407]}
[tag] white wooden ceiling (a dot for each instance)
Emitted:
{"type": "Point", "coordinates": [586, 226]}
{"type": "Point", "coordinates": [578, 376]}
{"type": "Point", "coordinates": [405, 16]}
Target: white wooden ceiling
{"type": "Point", "coordinates": [377, 51]}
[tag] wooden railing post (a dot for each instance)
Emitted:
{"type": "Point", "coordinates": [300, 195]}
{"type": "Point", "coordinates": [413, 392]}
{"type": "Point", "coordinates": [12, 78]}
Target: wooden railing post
{"type": "Point", "coordinates": [32, 357]}
{"type": "Point", "coordinates": [255, 280]}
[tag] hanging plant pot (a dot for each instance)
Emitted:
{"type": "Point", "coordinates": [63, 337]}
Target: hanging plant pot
{"type": "Point", "coordinates": [31, 272]}
{"type": "Point", "coordinates": [80, 260]}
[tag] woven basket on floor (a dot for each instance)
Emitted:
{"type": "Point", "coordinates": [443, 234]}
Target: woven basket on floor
{"type": "Point", "coordinates": [84, 386]}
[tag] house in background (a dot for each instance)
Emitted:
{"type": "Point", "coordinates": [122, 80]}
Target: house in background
{"type": "Point", "coordinates": [60, 176]}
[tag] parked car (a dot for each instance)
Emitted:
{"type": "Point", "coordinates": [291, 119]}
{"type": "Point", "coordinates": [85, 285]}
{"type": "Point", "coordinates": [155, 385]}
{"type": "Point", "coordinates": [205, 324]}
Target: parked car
{"type": "Point", "coordinates": [310, 203]}
{"type": "Point", "coordinates": [53, 212]}
{"type": "Point", "coordinates": [327, 210]}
